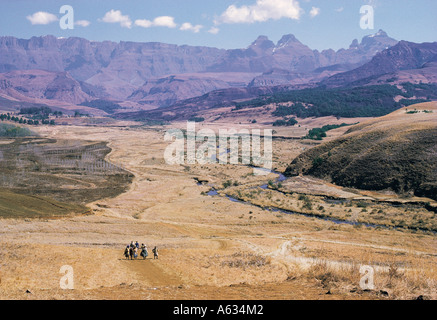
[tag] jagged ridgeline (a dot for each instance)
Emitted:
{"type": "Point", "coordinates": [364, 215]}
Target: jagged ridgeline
{"type": "Point", "coordinates": [64, 170]}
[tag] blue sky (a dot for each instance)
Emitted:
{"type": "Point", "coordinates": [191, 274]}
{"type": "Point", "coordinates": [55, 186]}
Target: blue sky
{"type": "Point", "coordinates": [320, 24]}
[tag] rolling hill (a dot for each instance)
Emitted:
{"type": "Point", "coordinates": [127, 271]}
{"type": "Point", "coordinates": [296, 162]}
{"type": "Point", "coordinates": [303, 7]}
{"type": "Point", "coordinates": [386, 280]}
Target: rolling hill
{"type": "Point", "coordinates": [397, 152]}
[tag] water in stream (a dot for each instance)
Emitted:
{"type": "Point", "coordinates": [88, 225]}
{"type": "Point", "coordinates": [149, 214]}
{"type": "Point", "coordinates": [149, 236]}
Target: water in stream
{"type": "Point", "coordinates": [281, 178]}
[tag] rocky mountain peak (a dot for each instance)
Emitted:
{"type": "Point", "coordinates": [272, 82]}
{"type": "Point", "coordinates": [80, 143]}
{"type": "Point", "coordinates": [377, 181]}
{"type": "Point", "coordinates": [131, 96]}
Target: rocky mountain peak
{"type": "Point", "coordinates": [286, 40]}
{"type": "Point", "coordinates": [355, 44]}
{"type": "Point", "coordinates": [263, 42]}
{"type": "Point", "coordinates": [380, 37]}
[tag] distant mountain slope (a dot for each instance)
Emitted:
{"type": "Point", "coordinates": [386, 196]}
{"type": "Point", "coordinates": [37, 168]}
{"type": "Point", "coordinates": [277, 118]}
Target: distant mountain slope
{"type": "Point", "coordinates": [109, 70]}
{"type": "Point", "coordinates": [277, 77]}
{"type": "Point", "coordinates": [43, 85]}
{"type": "Point", "coordinates": [396, 152]}
{"type": "Point", "coordinates": [403, 56]}
{"type": "Point", "coordinates": [119, 68]}
{"type": "Point", "coordinates": [186, 109]}
{"type": "Point", "coordinates": [167, 91]}
{"type": "Point", "coordinates": [292, 55]}
{"type": "Point", "coordinates": [361, 52]}
{"type": "Point", "coordinates": [298, 101]}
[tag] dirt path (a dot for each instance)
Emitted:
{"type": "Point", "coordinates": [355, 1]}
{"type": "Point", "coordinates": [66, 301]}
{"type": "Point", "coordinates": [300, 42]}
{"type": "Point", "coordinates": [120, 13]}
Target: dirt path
{"type": "Point", "coordinates": [150, 273]}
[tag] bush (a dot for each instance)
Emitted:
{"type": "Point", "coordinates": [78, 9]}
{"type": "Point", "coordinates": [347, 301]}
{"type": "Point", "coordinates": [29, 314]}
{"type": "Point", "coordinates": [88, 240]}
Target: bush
{"type": "Point", "coordinates": [11, 131]}
{"type": "Point", "coordinates": [227, 184]}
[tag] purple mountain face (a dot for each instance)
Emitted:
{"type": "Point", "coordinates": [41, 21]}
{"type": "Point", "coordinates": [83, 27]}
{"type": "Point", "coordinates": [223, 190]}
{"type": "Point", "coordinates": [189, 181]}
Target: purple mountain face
{"type": "Point", "coordinates": [41, 84]}
{"type": "Point", "coordinates": [169, 90]}
{"type": "Point", "coordinates": [157, 73]}
{"type": "Point", "coordinates": [404, 62]}
{"type": "Point", "coordinates": [291, 55]}
{"type": "Point", "coordinates": [405, 56]}
{"type": "Point", "coordinates": [290, 62]}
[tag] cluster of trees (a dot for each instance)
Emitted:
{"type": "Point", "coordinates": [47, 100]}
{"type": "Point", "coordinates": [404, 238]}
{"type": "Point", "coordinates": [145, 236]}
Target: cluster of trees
{"type": "Point", "coordinates": [21, 120]}
{"type": "Point", "coordinates": [366, 101]}
{"type": "Point", "coordinates": [37, 113]}
{"type": "Point", "coordinates": [78, 114]}
{"type": "Point", "coordinates": [409, 102]}
{"type": "Point", "coordinates": [428, 90]}
{"type": "Point", "coordinates": [320, 133]}
{"type": "Point", "coordinates": [196, 119]}
{"type": "Point", "coordinates": [283, 111]}
{"type": "Point", "coordinates": [285, 122]}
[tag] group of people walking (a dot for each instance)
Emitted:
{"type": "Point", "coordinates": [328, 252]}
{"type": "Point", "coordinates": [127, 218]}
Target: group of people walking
{"type": "Point", "coordinates": [131, 251]}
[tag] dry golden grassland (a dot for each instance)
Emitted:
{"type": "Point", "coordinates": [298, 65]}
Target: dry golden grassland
{"type": "Point", "coordinates": [212, 247]}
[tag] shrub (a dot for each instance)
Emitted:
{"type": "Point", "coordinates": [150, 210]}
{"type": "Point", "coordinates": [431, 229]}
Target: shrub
{"type": "Point", "coordinates": [11, 131]}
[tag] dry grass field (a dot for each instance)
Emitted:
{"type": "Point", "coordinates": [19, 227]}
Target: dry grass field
{"type": "Point", "coordinates": [211, 246]}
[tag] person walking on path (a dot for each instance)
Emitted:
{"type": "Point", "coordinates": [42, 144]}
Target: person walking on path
{"type": "Point", "coordinates": [131, 252]}
{"type": "Point", "coordinates": [144, 252]}
{"type": "Point", "coordinates": [155, 253]}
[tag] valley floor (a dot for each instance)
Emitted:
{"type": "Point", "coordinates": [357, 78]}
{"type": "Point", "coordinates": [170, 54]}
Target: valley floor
{"type": "Point", "coordinates": [209, 247]}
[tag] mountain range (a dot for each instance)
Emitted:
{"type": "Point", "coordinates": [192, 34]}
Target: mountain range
{"type": "Point", "coordinates": [151, 75]}
{"type": "Point", "coordinates": [405, 62]}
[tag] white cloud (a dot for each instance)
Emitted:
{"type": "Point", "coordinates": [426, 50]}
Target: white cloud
{"type": "Point", "coordinates": [189, 27]}
{"type": "Point", "coordinates": [214, 30]}
{"type": "Point", "coordinates": [143, 23]}
{"type": "Point", "coordinates": [314, 12]}
{"type": "Point", "coordinates": [115, 16]}
{"type": "Point", "coordinates": [261, 11]}
{"type": "Point", "coordinates": [339, 9]}
{"type": "Point", "coordinates": [42, 17]}
{"type": "Point", "coordinates": [82, 23]}
{"type": "Point", "coordinates": [163, 21]}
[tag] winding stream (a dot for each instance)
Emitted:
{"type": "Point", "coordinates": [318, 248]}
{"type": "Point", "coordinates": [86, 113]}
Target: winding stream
{"type": "Point", "coordinates": [281, 177]}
